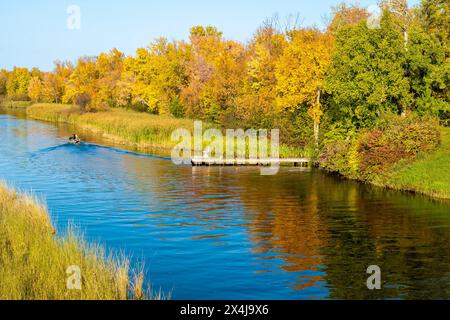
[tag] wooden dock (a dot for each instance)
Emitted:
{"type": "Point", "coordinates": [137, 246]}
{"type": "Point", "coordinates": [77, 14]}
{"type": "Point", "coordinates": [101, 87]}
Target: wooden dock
{"type": "Point", "coordinates": [208, 162]}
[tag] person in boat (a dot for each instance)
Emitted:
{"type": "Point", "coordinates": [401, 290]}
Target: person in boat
{"type": "Point", "coordinates": [74, 139]}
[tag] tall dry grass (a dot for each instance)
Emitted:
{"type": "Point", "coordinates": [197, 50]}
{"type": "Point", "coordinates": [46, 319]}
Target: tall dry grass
{"type": "Point", "coordinates": [34, 261]}
{"type": "Point", "coordinates": [120, 125]}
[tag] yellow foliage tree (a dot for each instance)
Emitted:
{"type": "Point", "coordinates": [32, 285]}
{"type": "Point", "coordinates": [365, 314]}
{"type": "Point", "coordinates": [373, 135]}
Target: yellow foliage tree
{"type": "Point", "coordinates": [256, 104]}
{"type": "Point", "coordinates": [35, 89]}
{"type": "Point", "coordinates": [157, 75]}
{"type": "Point", "coordinates": [17, 84]}
{"type": "Point", "coordinates": [82, 87]}
{"type": "Point", "coordinates": [301, 72]}
{"type": "Point", "coordinates": [216, 72]}
{"type": "Point", "coordinates": [109, 67]}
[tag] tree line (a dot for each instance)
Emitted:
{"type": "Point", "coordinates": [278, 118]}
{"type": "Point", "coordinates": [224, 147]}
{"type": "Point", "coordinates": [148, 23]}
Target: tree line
{"type": "Point", "coordinates": [304, 81]}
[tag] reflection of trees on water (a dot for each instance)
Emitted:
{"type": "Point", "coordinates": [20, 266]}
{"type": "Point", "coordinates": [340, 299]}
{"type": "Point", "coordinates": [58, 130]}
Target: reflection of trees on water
{"type": "Point", "coordinates": [318, 223]}
{"type": "Point", "coordinates": [347, 227]}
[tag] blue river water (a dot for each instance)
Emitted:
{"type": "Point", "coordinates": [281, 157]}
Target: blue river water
{"type": "Point", "coordinates": [230, 233]}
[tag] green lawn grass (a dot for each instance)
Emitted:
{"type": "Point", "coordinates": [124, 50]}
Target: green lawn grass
{"type": "Point", "coordinates": [428, 174]}
{"type": "Point", "coordinates": [34, 261]}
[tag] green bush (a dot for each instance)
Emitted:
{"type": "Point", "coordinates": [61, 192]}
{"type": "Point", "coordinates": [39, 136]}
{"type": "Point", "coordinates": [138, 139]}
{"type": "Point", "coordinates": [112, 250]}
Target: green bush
{"type": "Point", "coordinates": [339, 150]}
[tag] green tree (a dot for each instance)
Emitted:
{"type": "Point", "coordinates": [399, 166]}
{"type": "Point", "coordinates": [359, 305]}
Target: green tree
{"type": "Point", "coordinates": [367, 74]}
{"type": "Point", "coordinates": [428, 70]}
{"type": "Point", "coordinates": [402, 16]}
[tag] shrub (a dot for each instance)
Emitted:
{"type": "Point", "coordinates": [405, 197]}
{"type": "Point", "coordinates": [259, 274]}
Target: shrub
{"type": "Point", "coordinates": [83, 100]}
{"type": "Point", "coordinates": [339, 152]}
{"type": "Point", "coordinates": [374, 151]}
{"type": "Point", "coordinates": [393, 139]}
{"type": "Point", "coordinates": [334, 157]}
{"type": "Point", "coordinates": [176, 109]}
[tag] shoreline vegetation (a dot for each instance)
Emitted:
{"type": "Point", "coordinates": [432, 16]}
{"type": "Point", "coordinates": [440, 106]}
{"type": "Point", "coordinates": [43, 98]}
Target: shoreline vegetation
{"type": "Point", "coordinates": [425, 173]}
{"type": "Point", "coordinates": [131, 128]}
{"type": "Point", "coordinates": [10, 104]}
{"type": "Point", "coordinates": [34, 262]}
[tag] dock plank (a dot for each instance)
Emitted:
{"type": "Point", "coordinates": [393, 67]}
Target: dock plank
{"type": "Point", "coordinates": [200, 161]}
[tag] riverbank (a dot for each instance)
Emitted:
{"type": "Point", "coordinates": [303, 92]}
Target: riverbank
{"type": "Point", "coordinates": [35, 264]}
{"type": "Point", "coordinates": [410, 154]}
{"type": "Point", "coordinates": [426, 174]}
{"type": "Point", "coordinates": [134, 129]}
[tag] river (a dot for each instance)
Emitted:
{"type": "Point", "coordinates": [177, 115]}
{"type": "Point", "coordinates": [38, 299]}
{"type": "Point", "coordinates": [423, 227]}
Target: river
{"type": "Point", "coordinates": [230, 233]}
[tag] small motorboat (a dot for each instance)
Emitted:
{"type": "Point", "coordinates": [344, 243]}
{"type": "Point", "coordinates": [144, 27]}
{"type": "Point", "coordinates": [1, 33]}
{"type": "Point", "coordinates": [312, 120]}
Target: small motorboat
{"type": "Point", "coordinates": [74, 139]}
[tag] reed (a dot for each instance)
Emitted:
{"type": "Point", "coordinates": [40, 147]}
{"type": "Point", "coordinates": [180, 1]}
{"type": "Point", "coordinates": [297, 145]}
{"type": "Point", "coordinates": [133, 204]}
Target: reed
{"type": "Point", "coordinates": [34, 261]}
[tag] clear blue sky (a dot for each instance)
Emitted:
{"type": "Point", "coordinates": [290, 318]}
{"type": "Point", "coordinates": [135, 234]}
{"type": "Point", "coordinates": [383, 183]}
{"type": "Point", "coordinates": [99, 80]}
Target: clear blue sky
{"type": "Point", "coordinates": [35, 33]}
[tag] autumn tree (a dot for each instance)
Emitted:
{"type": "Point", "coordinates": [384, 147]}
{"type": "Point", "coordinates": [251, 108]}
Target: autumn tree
{"type": "Point", "coordinates": [215, 71]}
{"type": "Point", "coordinates": [35, 89]}
{"type": "Point", "coordinates": [35, 72]}
{"type": "Point", "coordinates": [55, 82]}
{"type": "Point", "coordinates": [344, 15]}
{"type": "Point", "coordinates": [157, 75]}
{"type": "Point", "coordinates": [109, 67]}
{"type": "Point", "coordinates": [301, 73]}
{"type": "Point", "coordinates": [3, 82]}
{"type": "Point", "coordinates": [17, 84]}
{"type": "Point", "coordinates": [83, 82]}
{"type": "Point", "coordinates": [257, 101]}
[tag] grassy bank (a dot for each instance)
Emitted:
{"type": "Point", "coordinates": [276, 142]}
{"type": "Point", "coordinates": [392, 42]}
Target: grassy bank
{"type": "Point", "coordinates": [128, 127]}
{"type": "Point", "coordinates": [428, 174]}
{"type": "Point", "coordinates": [409, 153]}
{"type": "Point", "coordinates": [34, 261]}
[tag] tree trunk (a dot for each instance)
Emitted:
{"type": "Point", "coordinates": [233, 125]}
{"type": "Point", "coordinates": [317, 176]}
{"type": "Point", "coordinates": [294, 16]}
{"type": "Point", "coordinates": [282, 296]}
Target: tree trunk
{"type": "Point", "coordinates": [406, 38]}
{"type": "Point", "coordinates": [316, 133]}
{"type": "Point", "coordinates": [316, 121]}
